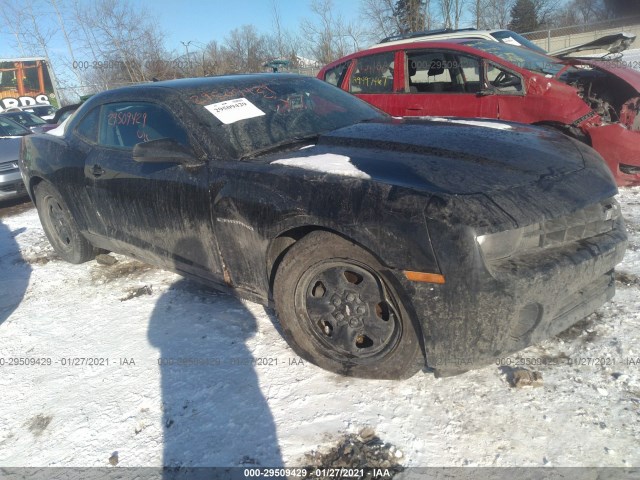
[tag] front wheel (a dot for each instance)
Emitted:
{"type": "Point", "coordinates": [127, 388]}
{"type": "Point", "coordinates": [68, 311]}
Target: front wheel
{"type": "Point", "coordinates": [60, 226]}
{"type": "Point", "coordinates": [338, 311]}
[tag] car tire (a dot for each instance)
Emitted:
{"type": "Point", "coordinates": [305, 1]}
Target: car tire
{"type": "Point", "coordinates": [60, 226]}
{"type": "Point", "coordinates": [339, 311]}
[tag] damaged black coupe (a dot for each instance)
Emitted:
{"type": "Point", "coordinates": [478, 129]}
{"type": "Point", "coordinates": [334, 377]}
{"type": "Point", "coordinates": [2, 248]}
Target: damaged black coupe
{"type": "Point", "coordinates": [385, 245]}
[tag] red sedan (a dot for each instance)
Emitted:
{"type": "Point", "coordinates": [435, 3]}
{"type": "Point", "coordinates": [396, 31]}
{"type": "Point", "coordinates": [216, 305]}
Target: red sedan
{"type": "Point", "coordinates": [596, 101]}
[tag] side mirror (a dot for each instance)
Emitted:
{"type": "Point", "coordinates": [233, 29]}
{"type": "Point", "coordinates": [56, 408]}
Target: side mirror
{"type": "Point", "coordinates": [164, 150]}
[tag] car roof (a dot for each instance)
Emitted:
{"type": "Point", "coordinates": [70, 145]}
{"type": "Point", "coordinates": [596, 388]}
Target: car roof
{"type": "Point", "coordinates": [444, 34]}
{"type": "Point", "coordinates": [217, 81]}
{"type": "Point", "coordinates": [185, 87]}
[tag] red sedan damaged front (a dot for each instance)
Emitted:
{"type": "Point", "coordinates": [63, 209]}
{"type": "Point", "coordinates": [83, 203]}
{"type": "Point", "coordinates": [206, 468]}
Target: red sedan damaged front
{"type": "Point", "coordinates": [617, 102]}
{"type": "Point", "coordinates": [595, 101]}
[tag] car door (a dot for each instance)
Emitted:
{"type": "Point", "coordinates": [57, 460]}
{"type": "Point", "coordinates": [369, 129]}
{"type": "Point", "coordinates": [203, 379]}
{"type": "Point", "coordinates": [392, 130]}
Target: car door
{"type": "Point", "coordinates": [444, 83]}
{"type": "Point", "coordinates": [508, 87]}
{"type": "Point", "coordinates": [158, 212]}
{"type": "Point", "coordinates": [373, 79]}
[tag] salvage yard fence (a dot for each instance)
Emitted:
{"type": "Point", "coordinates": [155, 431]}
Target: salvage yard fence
{"type": "Point", "coordinates": [558, 38]}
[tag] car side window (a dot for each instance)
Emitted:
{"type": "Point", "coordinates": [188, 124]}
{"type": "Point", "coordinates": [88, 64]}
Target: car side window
{"type": "Point", "coordinates": [125, 124]}
{"type": "Point", "coordinates": [503, 80]}
{"type": "Point", "coordinates": [8, 129]}
{"type": "Point", "coordinates": [88, 126]}
{"type": "Point", "coordinates": [335, 76]}
{"type": "Point", "coordinates": [470, 69]}
{"type": "Point", "coordinates": [442, 72]}
{"type": "Point", "coordinates": [373, 74]}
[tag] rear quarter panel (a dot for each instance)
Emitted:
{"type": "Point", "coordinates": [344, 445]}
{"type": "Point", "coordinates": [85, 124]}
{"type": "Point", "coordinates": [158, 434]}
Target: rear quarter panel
{"type": "Point", "coordinates": [49, 158]}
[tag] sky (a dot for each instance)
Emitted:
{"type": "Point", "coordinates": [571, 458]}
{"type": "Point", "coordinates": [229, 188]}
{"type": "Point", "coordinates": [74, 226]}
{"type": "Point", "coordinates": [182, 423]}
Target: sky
{"type": "Point", "coordinates": [205, 21]}
{"type": "Point", "coordinates": [202, 21]}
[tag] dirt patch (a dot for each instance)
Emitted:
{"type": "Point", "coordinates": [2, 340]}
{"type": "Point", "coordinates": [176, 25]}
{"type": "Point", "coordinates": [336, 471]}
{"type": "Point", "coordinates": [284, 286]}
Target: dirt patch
{"type": "Point", "coordinates": [352, 452]}
{"type": "Point", "coordinates": [584, 330]}
{"type": "Point", "coordinates": [561, 358]}
{"type": "Point", "coordinates": [127, 269]}
{"type": "Point", "coordinates": [9, 208]}
{"type": "Point", "coordinates": [137, 292]}
{"type": "Point", "coordinates": [521, 377]}
{"type": "Point", "coordinates": [104, 259]}
{"type": "Point", "coordinates": [38, 424]}
{"type": "Point", "coordinates": [627, 279]}
{"type": "Point", "coordinates": [38, 259]}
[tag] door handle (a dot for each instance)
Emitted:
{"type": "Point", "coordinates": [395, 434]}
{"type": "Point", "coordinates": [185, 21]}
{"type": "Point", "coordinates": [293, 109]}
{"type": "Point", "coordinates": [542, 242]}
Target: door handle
{"type": "Point", "coordinates": [97, 170]}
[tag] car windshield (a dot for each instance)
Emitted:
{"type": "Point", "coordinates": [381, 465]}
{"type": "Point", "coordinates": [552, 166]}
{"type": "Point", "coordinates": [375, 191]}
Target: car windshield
{"type": "Point", "coordinates": [255, 117]}
{"type": "Point", "coordinates": [9, 128]}
{"type": "Point", "coordinates": [25, 118]}
{"type": "Point", "coordinates": [521, 57]}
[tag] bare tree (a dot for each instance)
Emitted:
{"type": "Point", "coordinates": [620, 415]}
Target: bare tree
{"type": "Point", "coordinates": [279, 36]}
{"type": "Point", "coordinates": [62, 24]}
{"type": "Point", "coordinates": [579, 12]}
{"type": "Point", "coordinates": [497, 13]}
{"type": "Point", "coordinates": [246, 49]}
{"type": "Point", "coordinates": [12, 21]}
{"type": "Point", "coordinates": [125, 43]}
{"type": "Point", "coordinates": [545, 11]}
{"type": "Point", "coordinates": [281, 43]}
{"type": "Point", "coordinates": [451, 11]}
{"type": "Point", "coordinates": [326, 35]}
{"type": "Point", "coordinates": [379, 15]}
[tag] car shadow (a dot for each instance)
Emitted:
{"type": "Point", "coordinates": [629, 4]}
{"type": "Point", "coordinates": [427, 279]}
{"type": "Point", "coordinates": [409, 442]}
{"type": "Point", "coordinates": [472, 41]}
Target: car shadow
{"type": "Point", "coordinates": [214, 412]}
{"type": "Point", "coordinates": [14, 279]}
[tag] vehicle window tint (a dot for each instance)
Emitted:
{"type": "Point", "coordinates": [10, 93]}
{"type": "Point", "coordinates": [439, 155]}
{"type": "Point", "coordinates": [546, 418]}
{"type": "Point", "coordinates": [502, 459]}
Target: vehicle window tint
{"type": "Point", "coordinates": [10, 129]}
{"type": "Point", "coordinates": [335, 75]}
{"type": "Point", "coordinates": [503, 80]}
{"type": "Point", "coordinates": [373, 74]}
{"type": "Point", "coordinates": [26, 119]}
{"type": "Point", "coordinates": [88, 126]}
{"type": "Point", "coordinates": [127, 124]}
{"type": "Point", "coordinates": [442, 72]}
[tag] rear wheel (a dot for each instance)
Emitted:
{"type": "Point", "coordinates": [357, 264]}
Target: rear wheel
{"type": "Point", "coordinates": [338, 311]}
{"type": "Point", "coordinates": [60, 226]}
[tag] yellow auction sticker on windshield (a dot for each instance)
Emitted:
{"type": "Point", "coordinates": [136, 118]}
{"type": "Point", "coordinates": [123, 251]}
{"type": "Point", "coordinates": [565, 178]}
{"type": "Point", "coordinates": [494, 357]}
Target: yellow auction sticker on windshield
{"type": "Point", "coordinates": [231, 111]}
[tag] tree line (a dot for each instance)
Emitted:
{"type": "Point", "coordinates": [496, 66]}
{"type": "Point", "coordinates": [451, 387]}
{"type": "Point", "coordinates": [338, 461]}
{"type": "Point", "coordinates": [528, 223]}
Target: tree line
{"type": "Point", "coordinates": [117, 42]}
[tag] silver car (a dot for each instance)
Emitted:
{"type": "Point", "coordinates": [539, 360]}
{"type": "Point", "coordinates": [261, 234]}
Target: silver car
{"type": "Point", "coordinates": [11, 133]}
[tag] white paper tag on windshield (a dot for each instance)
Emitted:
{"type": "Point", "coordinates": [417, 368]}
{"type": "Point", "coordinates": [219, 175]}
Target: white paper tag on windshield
{"type": "Point", "coordinates": [231, 111]}
{"type": "Point", "coordinates": [511, 41]}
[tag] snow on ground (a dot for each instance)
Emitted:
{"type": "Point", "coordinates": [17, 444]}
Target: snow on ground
{"type": "Point", "coordinates": [241, 396]}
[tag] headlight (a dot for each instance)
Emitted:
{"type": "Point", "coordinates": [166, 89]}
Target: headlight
{"type": "Point", "coordinates": [499, 245]}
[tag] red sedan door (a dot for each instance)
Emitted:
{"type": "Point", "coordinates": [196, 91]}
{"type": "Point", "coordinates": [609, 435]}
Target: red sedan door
{"type": "Point", "coordinates": [444, 83]}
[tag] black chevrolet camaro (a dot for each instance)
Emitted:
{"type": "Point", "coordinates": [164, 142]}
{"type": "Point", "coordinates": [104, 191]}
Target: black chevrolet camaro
{"type": "Point", "coordinates": [385, 245]}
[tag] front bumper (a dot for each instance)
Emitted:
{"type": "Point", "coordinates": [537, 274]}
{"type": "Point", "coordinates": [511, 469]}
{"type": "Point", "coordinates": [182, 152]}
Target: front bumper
{"type": "Point", "coordinates": [11, 185]}
{"type": "Point", "coordinates": [487, 310]}
{"type": "Point", "coordinates": [620, 149]}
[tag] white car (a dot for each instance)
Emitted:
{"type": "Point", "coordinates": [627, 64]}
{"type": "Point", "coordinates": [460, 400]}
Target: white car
{"type": "Point", "coordinates": [44, 111]}
{"type": "Point", "coordinates": [614, 43]}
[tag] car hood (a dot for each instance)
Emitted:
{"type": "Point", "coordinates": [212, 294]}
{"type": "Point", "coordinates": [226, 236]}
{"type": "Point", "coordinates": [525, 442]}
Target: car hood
{"type": "Point", "coordinates": [614, 43]}
{"type": "Point", "coordinates": [9, 149]}
{"type": "Point", "coordinates": [615, 68]}
{"type": "Point", "coordinates": [456, 156]}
